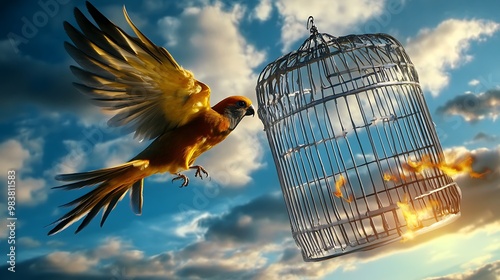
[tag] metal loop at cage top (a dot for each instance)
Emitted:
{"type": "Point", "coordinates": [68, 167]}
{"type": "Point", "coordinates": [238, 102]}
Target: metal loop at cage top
{"type": "Point", "coordinates": [311, 27]}
{"type": "Point", "coordinates": [343, 117]}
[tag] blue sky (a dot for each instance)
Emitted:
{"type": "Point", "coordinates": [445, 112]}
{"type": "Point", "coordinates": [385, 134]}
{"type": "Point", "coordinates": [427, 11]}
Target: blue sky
{"type": "Point", "coordinates": [235, 225]}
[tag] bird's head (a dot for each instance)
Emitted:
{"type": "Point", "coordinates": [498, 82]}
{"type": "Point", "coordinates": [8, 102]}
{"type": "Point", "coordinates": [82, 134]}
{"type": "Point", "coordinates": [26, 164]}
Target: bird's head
{"type": "Point", "coordinates": [235, 108]}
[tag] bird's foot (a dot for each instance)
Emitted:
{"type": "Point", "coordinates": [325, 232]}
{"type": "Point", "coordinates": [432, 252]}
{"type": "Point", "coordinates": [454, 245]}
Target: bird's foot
{"type": "Point", "coordinates": [199, 170]}
{"type": "Point", "coordinates": [183, 177]}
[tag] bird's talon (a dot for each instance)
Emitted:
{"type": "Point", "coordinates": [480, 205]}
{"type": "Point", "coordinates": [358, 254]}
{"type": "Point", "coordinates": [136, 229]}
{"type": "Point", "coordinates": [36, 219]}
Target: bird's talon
{"type": "Point", "coordinates": [199, 170]}
{"type": "Point", "coordinates": [183, 177]}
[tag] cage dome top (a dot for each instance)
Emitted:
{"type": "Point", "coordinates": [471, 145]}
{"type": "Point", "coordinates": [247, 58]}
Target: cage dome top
{"type": "Point", "coordinates": [319, 45]}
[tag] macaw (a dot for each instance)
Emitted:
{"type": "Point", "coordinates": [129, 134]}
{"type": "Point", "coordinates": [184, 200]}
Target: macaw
{"type": "Point", "coordinates": [149, 92]}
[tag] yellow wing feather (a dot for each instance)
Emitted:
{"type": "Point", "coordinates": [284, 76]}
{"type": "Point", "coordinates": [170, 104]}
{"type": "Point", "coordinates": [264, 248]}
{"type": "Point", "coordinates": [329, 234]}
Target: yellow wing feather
{"type": "Point", "coordinates": [138, 81]}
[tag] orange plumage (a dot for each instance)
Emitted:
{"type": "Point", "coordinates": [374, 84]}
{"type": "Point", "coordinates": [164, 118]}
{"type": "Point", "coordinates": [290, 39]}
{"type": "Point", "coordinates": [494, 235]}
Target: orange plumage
{"type": "Point", "coordinates": [150, 93]}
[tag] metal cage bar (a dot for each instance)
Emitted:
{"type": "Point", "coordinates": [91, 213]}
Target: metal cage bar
{"type": "Point", "coordinates": [340, 114]}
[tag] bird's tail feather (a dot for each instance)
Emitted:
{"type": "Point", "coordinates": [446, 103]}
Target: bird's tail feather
{"type": "Point", "coordinates": [114, 182]}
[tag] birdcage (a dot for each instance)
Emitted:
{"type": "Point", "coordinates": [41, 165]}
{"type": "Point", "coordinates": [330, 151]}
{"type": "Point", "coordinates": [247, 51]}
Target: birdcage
{"type": "Point", "coordinates": [354, 145]}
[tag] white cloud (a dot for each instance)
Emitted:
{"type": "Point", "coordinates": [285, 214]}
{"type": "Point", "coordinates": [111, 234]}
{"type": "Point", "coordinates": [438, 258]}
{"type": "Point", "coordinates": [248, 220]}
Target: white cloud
{"type": "Point", "coordinates": [66, 262]}
{"type": "Point", "coordinates": [263, 10]}
{"type": "Point", "coordinates": [171, 24]}
{"type": "Point", "coordinates": [189, 224]}
{"type": "Point", "coordinates": [31, 191]}
{"type": "Point", "coordinates": [17, 155]}
{"type": "Point", "coordinates": [56, 243]}
{"type": "Point", "coordinates": [110, 247]}
{"type": "Point", "coordinates": [437, 51]}
{"type": "Point", "coordinates": [32, 140]}
{"type": "Point", "coordinates": [13, 156]}
{"type": "Point", "coordinates": [330, 16]}
{"type": "Point", "coordinates": [93, 150]}
{"type": "Point", "coordinates": [29, 242]}
{"type": "Point", "coordinates": [231, 162]}
{"type": "Point", "coordinates": [219, 55]}
{"type": "Point", "coordinates": [474, 82]}
{"type": "Point", "coordinates": [116, 151]}
{"type": "Point", "coordinates": [74, 161]}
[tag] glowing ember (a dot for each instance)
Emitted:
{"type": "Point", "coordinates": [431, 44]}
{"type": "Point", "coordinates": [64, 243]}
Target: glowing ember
{"type": "Point", "coordinates": [414, 217]}
{"type": "Point", "coordinates": [338, 193]}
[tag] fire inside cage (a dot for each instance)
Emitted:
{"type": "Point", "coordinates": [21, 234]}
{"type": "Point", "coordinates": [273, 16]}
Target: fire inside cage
{"type": "Point", "coordinates": [352, 138]}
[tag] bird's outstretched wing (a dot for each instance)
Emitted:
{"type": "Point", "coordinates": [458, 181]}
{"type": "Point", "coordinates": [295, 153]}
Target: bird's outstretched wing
{"type": "Point", "coordinates": [138, 81]}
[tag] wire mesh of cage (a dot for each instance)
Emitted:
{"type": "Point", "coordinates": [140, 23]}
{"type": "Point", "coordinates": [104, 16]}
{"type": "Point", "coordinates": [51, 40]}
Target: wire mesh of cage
{"type": "Point", "coordinates": [344, 117]}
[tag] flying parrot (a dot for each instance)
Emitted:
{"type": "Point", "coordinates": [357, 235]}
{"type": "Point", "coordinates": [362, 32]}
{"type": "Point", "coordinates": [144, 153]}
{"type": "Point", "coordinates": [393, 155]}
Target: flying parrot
{"type": "Point", "coordinates": [150, 93]}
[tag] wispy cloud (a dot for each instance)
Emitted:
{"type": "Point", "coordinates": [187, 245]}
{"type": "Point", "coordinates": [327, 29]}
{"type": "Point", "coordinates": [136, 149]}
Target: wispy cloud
{"type": "Point", "coordinates": [339, 16]}
{"type": "Point", "coordinates": [18, 155]}
{"type": "Point", "coordinates": [29, 242]}
{"type": "Point", "coordinates": [474, 82]}
{"type": "Point", "coordinates": [65, 263]}
{"type": "Point", "coordinates": [473, 107]}
{"type": "Point", "coordinates": [484, 137]}
{"type": "Point", "coordinates": [263, 10]}
{"type": "Point", "coordinates": [13, 155]}
{"type": "Point", "coordinates": [438, 50]}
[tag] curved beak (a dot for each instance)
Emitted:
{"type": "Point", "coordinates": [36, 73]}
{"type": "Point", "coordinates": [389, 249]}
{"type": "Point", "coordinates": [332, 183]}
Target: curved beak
{"type": "Point", "coordinates": [250, 111]}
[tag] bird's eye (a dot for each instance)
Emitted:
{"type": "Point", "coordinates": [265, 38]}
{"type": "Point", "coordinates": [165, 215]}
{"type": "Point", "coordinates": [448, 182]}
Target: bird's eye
{"type": "Point", "coordinates": [241, 103]}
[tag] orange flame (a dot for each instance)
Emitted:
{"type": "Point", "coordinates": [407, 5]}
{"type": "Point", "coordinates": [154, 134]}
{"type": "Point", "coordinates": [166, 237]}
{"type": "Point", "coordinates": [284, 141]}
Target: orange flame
{"type": "Point", "coordinates": [390, 177]}
{"type": "Point", "coordinates": [419, 166]}
{"type": "Point", "coordinates": [412, 217]}
{"type": "Point", "coordinates": [460, 166]}
{"type": "Point", "coordinates": [338, 193]}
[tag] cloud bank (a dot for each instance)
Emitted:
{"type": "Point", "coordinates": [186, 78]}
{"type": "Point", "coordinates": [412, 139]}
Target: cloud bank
{"type": "Point", "coordinates": [253, 241]}
{"type": "Point", "coordinates": [437, 51]}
